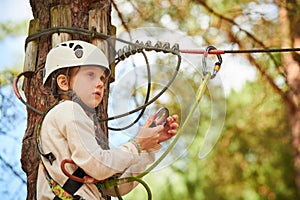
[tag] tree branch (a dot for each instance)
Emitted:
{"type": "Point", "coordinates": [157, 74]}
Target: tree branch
{"type": "Point", "coordinates": [251, 59]}
{"type": "Point", "coordinates": [12, 169]}
{"type": "Point", "coordinates": [120, 15]}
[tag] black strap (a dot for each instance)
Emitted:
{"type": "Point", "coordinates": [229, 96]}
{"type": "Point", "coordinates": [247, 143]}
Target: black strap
{"type": "Point", "coordinates": [72, 186]}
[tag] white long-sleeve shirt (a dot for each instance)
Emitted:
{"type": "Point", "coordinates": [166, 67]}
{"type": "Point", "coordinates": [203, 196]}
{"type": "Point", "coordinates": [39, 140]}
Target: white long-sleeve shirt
{"type": "Point", "coordinates": [68, 133]}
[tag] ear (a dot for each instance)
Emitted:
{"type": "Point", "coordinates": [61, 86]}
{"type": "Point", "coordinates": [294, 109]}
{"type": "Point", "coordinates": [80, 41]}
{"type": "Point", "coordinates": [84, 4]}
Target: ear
{"type": "Point", "coordinates": [62, 82]}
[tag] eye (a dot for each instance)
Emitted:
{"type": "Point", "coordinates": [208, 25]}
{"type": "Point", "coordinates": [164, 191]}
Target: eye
{"type": "Point", "coordinates": [103, 78]}
{"type": "Point", "coordinates": [91, 74]}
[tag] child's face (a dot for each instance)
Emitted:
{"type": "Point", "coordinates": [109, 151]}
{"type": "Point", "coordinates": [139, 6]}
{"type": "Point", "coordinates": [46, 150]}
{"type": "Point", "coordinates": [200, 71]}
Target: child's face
{"type": "Point", "coordinates": [88, 84]}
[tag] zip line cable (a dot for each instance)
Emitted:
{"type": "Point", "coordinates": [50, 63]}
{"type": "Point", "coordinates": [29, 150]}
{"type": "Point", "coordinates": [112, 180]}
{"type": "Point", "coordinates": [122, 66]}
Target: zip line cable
{"type": "Point", "coordinates": [218, 51]}
{"type": "Point", "coordinates": [94, 34]}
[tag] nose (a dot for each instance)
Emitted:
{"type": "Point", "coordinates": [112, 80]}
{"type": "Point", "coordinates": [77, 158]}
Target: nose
{"type": "Point", "coordinates": [100, 83]}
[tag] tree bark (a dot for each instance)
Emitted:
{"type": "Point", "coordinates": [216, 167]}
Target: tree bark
{"type": "Point", "coordinates": [35, 94]}
{"type": "Point", "coordinates": [289, 21]}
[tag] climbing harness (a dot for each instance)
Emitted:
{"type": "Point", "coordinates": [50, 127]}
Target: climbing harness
{"type": "Point", "coordinates": [76, 179]}
{"type": "Point", "coordinates": [61, 192]}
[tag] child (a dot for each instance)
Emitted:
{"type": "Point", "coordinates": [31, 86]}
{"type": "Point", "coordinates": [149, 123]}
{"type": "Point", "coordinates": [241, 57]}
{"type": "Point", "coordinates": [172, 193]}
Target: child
{"type": "Point", "coordinates": [77, 73]}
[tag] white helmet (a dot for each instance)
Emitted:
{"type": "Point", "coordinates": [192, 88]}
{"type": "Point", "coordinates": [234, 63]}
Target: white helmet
{"type": "Point", "coordinates": [74, 53]}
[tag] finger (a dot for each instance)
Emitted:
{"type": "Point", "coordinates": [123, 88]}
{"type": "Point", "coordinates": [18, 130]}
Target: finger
{"type": "Point", "coordinates": [159, 128]}
{"type": "Point", "coordinates": [146, 132]}
{"type": "Point", "coordinates": [172, 132]}
{"type": "Point", "coordinates": [172, 119]}
{"type": "Point", "coordinates": [175, 117]}
{"type": "Point", "coordinates": [174, 125]}
{"type": "Point", "coordinates": [150, 120]}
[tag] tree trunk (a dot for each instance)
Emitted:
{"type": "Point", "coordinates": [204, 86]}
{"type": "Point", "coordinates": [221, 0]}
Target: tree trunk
{"type": "Point", "coordinates": [290, 23]}
{"type": "Point", "coordinates": [64, 13]}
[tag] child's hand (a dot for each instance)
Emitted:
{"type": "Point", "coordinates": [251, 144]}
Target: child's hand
{"type": "Point", "coordinates": [169, 129]}
{"type": "Point", "coordinates": [148, 138]}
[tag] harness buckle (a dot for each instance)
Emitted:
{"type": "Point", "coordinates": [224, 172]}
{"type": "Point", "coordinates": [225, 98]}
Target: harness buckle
{"type": "Point", "coordinates": [49, 156]}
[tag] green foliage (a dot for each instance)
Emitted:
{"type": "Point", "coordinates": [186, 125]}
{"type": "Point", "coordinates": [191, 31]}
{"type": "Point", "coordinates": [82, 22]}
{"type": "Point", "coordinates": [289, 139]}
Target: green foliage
{"type": "Point", "coordinates": [9, 28]}
{"type": "Point", "coordinates": [7, 76]}
{"type": "Point", "coordinates": [254, 155]}
{"type": "Point", "coordinates": [252, 160]}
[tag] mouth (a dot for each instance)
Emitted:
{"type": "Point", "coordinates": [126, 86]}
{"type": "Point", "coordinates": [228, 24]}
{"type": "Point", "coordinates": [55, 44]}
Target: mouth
{"type": "Point", "coordinates": [97, 94]}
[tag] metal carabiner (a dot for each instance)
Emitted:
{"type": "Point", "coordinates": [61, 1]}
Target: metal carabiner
{"type": "Point", "coordinates": [160, 117]}
{"type": "Point", "coordinates": [217, 66]}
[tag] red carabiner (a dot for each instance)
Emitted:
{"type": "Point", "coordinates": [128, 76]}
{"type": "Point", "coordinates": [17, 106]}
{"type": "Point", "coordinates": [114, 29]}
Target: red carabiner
{"type": "Point", "coordinates": [85, 179]}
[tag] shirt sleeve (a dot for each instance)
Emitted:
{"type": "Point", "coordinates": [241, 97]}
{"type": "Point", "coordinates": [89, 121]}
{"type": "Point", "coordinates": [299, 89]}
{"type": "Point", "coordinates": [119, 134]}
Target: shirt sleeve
{"type": "Point", "coordinates": [134, 170]}
{"type": "Point", "coordinates": [100, 164]}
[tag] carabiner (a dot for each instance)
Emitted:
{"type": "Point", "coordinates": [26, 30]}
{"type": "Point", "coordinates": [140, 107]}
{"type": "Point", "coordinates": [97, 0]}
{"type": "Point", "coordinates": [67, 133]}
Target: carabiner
{"type": "Point", "coordinates": [161, 116]}
{"type": "Point", "coordinates": [85, 179]}
{"type": "Point", "coordinates": [217, 66]}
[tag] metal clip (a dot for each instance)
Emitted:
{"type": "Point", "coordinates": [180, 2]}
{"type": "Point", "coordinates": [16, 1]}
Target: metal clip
{"type": "Point", "coordinates": [217, 66]}
{"type": "Point", "coordinates": [161, 116]}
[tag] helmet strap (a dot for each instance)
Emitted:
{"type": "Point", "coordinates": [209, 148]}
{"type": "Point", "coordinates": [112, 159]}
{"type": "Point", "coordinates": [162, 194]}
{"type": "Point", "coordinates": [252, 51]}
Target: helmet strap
{"type": "Point", "coordinates": [72, 95]}
{"type": "Point", "coordinates": [53, 85]}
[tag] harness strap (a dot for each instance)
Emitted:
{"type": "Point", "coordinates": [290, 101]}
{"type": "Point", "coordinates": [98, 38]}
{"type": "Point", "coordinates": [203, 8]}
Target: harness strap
{"type": "Point", "coordinates": [67, 191]}
{"type": "Point", "coordinates": [72, 186]}
{"type": "Point", "coordinates": [55, 187]}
